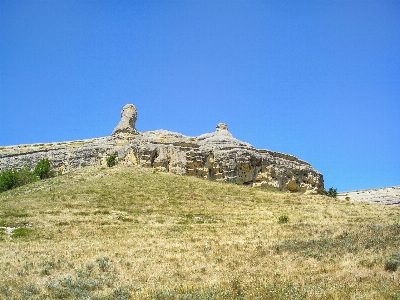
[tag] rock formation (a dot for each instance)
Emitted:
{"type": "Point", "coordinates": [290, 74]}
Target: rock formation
{"type": "Point", "coordinates": [215, 156]}
{"type": "Point", "coordinates": [126, 127]}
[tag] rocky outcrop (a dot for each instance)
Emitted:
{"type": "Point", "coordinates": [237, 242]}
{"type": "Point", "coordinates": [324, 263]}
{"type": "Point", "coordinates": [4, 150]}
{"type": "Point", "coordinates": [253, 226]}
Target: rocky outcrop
{"type": "Point", "coordinates": [126, 127]}
{"type": "Point", "coordinates": [386, 196]}
{"type": "Point", "coordinates": [215, 156]}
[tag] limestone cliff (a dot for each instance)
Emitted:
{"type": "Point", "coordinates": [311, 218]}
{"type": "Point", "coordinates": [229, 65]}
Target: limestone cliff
{"type": "Point", "coordinates": [214, 156]}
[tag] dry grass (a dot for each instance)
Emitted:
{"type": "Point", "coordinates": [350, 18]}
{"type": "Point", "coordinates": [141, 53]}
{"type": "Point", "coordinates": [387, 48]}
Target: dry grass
{"type": "Point", "coordinates": [130, 233]}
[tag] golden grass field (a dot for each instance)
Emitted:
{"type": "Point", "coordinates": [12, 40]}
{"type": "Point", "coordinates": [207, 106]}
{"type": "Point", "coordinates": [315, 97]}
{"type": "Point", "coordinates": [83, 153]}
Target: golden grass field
{"type": "Point", "coordinates": [132, 233]}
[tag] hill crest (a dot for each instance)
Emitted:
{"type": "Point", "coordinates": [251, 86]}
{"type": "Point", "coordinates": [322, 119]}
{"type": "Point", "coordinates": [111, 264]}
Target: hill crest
{"type": "Point", "coordinates": [215, 156]}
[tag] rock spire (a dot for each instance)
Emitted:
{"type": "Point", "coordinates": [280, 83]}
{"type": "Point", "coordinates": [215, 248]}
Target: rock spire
{"type": "Point", "coordinates": [126, 127]}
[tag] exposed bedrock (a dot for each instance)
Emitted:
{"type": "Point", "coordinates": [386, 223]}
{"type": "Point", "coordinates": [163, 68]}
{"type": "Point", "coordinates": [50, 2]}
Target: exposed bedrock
{"type": "Point", "coordinates": [215, 156]}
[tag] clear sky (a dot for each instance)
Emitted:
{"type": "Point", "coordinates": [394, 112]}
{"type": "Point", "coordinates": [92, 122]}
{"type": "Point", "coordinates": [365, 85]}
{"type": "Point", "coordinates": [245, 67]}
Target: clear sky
{"type": "Point", "coordinates": [316, 79]}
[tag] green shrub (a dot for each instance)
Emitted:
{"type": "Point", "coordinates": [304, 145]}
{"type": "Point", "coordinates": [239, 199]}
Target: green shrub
{"type": "Point", "coordinates": [8, 180]}
{"type": "Point", "coordinates": [103, 263]}
{"type": "Point", "coordinates": [331, 192]}
{"type": "Point", "coordinates": [121, 293]}
{"type": "Point", "coordinates": [30, 290]}
{"type": "Point", "coordinates": [391, 264]}
{"type": "Point", "coordinates": [25, 176]}
{"type": "Point", "coordinates": [283, 219]}
{"type": "Point", "coordinates": [12, 178]}
{"type": "Point", "coordinates": [42, 169]}
{"type": "Point", "coordinates": [89, 282]}
{"type": "Point", "coordinates": [111, 160]}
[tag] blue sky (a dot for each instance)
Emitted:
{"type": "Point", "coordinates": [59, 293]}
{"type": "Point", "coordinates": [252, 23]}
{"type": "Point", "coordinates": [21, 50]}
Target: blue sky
{"type": "Point", "coordinates": [316, 79]}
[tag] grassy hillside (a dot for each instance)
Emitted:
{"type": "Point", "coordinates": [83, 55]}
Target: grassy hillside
{"type": "Point", "coordinates": [131, 233]}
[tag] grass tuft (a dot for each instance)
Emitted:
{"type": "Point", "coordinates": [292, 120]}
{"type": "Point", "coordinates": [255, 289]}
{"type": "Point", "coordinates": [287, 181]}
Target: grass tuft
{"type": "Point", "coordinates": [283, 219]}
{"type": "Point", "coordinates": [21, 232]}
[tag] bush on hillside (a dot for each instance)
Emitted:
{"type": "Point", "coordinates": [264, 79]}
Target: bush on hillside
{"type": "Point", "coordinates": [42, 169]}
{"type": "Point", "coordinates": [331, 192]}
{"type": "Point", "coordinates": [393, 262]}
{"type": "Point", "coordinates": [14, 178]}
{"type": "Point", "coordinates": [10, 179]}
{"type": "Point", "coordinates": [25, 176]}
{"type": "Point", "coordinates": [111, 160]}
{"type": "Point", "coordinates": [283, 219]}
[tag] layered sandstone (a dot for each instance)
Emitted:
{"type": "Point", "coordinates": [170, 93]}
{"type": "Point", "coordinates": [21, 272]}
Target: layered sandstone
{"type": "Point", "coordinates": [214, 156]}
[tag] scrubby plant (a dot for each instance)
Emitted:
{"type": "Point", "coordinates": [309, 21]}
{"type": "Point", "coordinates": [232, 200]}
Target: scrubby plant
{"type": "Point", "coordinates": [111, 160]}
{"type": "Point", "coordinates": [283, 219]}
{"type": "Point", "coordinates": [121, 293]}
{"type": "Point", "coordinates": [103, 263]}
{"type": "Point", "coordinates": [331, 192]}
{"type": "Point", "coordinates": [30, 290]}
{"type": "Point", "coordinates": [42, 169]}
{"type": "Point", "coordinates": [8, 180]}
{"type": "Point", "coordinates": [392, 263]}
{"type": "Point", "coordinates": [89, 282]}
{"type": "Point", "coordinates": [25, 176]}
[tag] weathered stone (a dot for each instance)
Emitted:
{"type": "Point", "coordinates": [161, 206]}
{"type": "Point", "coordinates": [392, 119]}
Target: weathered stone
{"type": "Point", "coordinates": [222, 127]}
{"type": "Point", "coordinates": [214, 156]}
{"type": "Point", "coordinates": [126, 127]}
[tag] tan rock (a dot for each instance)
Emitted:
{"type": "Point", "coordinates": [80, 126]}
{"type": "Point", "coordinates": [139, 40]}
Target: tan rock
{"type": "Point", "coordinates": [126, 126]}
{"type": "Point", "coordinates": [216, 156]}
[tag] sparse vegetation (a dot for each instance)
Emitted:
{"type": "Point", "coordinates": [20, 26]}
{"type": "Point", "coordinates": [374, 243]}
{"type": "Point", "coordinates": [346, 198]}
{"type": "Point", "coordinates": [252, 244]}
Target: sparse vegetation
{"type": "Point", "coordinates": [283, 219]}
{"type": "Point", "coordinates": [42, 169]}
{"type": "Point", "coordinates": [128, 233]}
{"type": "Point", "coordinates": [8, 180]}
{"type": "Point", "coordinates": [111, 160]}
{"type": "Point", "coordinates": [393, 262]}
{"type": "Point", "coordinates": [11, 179]}
{"type": "Point", "coordinates": [331, 193]}
{"type": "Point", "coordinates": [20, 232]}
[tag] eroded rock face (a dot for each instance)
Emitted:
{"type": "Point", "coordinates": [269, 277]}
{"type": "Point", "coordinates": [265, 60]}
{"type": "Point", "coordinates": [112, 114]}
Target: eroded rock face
{"type": "Point", "coordinates": [215, 156]}
{"type": "Point", "coordinates": [126, 127]}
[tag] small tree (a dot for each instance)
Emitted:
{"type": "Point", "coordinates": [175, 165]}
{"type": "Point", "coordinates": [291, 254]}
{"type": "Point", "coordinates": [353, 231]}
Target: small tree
{"type": "Point", "coordinates": [42, 169]}
{"type": "Point", "coordinates": [111, 160]}
{"type": "Point", "coordinates": [331, 192]}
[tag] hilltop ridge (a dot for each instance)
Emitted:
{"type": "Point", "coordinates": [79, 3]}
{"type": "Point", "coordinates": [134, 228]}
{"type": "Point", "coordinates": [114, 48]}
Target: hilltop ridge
{"type": "Point", "coordinates": [215, 156]}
